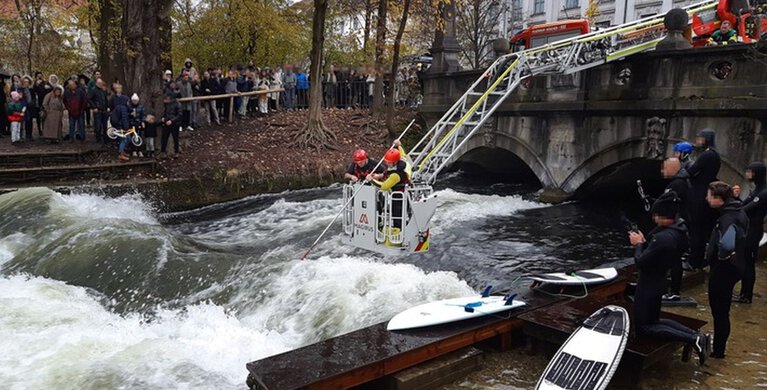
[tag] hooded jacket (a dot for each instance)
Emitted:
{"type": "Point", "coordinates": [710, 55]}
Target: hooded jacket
{"type": "Point", "coordinates": [728, 239]}
{"type": "Point", "coordinates": [755, 206]}
{"type": "Point", "coordinates": [190, 69]}
{"type": "Point", "coordinates": [654, 257]}
{"type": "Point", "coordinates": [706, 167]}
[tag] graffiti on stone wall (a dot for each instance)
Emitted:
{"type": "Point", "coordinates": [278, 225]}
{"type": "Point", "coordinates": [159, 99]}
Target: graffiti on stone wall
{"type": "Point", "coordinates": [656, 138]}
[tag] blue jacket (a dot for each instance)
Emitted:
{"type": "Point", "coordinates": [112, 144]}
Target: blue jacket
{"type": "Point", "coordinates": [119, 115]}
{"type": "Point", "coordinates": [242, 84]}
{"type": "Point", "coordinates": [302, 82]}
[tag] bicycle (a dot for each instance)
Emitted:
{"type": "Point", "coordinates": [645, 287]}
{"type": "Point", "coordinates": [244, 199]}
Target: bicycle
{"type": "Point", "coordinates": [136, 139]}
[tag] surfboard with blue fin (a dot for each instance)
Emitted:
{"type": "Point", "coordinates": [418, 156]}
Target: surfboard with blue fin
{"type": "Point", "coordinates": [452, 310]}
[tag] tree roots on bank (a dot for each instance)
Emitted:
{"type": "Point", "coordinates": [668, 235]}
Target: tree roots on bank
{"type": "Point", "coordinates": [315, 135]}
{"type": "Point", "coordinates": [371, 126]}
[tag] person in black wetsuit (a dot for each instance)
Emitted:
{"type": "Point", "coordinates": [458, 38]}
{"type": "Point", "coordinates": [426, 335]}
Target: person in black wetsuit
{"type": "Point", "coordinates": [666, 244]}
{"type": "Point", "coordinates": [679, 184]}
{"type": "Point", "coordinates": [361, 167]}
{"type": "Point", "coordinates": [755, 207]}
{"type": "Point", "coordinates": [702, 172]}
{"type": "Point", "coordinates": [725, 254]}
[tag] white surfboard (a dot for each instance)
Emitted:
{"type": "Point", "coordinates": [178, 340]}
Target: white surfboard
{"type": "Point", "coordinates": [763, 240]}
{"type": "Point", "coordinates": [589, 358]}
{"type": "Point", "coordinates": [577, 278]}
{"type": "Point", "coordinates": [451, 310]}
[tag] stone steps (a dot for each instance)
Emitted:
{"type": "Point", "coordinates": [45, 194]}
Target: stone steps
{"type": "Point", "coordinates": [46, 158]}
{"type": "Point", "coordinates": [70, 172]}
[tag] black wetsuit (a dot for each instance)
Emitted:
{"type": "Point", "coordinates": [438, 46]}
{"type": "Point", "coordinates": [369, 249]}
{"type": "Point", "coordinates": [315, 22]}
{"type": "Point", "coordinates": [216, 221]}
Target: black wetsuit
{"type": "Point", "coordinates": [726, 257]}
{"type": "Point", "coordinates": [682, 186]}
{"type": "Point", "coordinates": [664, 245]}
{"type": "Point", "coordinates": [362, 172]}
{"type": "Point", "coordinates": [755, 207]}
{"type": "Point", "coordinates": [702, 217]}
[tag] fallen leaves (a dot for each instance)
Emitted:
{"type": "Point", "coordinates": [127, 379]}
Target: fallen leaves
{"type": "Point", "coordinates": [265, 145]}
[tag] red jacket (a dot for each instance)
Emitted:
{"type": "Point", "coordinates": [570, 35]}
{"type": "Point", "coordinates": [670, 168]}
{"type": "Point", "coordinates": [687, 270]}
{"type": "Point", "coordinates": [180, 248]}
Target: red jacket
{"type": "Point", "coordinates": [75, 102]}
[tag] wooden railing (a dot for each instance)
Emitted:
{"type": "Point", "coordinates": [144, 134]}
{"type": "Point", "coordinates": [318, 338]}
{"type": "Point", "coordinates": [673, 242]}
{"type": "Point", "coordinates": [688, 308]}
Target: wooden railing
{"type": "Point", "coordinates": [231, 97]}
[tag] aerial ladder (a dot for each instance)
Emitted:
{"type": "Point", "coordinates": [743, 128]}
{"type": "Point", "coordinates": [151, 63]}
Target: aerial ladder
{"type": "Point", "coordinates": [368, 218]}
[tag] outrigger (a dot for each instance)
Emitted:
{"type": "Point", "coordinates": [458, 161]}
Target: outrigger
{"type": "Point", "coordinates": [368, 218]}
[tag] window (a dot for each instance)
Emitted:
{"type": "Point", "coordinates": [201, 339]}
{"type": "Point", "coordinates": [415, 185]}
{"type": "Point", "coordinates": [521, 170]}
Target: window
{"type": "Point", "coordinates": [538, 6]}
{"type": "Point", "coordinates": [516, 10]}
{"type": "Point", "coordinates": [571, 4]}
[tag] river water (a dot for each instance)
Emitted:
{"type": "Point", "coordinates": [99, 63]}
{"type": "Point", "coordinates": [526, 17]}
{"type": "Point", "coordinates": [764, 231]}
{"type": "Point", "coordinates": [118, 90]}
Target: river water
{"type": "Point", "coordinates": [99, 293]}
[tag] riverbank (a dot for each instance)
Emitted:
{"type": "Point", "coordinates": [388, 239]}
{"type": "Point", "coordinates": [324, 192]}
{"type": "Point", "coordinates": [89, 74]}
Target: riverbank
{"type": "Point", "coordinates": [744, 367]}
{"type": "Point", "coordinates": [223, 163]}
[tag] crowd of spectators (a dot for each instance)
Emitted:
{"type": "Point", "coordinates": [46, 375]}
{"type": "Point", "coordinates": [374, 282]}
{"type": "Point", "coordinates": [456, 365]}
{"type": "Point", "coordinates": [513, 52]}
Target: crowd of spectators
{"type": "Point", "coordinates": [53, 110]}
{"type": "Point", "coordinates": [344, 88]}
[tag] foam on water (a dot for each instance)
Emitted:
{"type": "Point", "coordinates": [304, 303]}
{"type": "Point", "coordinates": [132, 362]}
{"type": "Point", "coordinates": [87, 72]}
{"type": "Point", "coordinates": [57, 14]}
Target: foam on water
{"type": "Point", "coordinates": [314, 300]}
{"type": "Point", "coordinates": [62, 337]}
{"type": "Point", "coordinates": [94, 207]}
{"type": "Point", "coordinates": [56, 335]}
{"type": "Point", "coordinates": [281, 220]}
{"type": "Point", "coordinates": [454, 206]}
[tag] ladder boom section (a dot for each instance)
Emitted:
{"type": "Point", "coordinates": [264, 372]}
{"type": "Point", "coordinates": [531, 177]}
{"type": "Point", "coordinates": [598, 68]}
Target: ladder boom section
{"type": "Point", "coordinates": [469, 113]}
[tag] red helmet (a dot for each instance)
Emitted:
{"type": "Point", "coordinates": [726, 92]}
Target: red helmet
{"type": "Point", "coordinates": [392, 156]}
{"type": "Point", "coordinates": [360, 155]}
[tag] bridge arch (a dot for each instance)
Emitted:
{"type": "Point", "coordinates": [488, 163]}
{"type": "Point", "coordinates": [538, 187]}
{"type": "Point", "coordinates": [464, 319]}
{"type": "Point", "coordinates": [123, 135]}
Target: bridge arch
{"type": "Point", "coordinates": [501, 153]}
{"type": "Point", "coordinates": [611, 156]}
{"type": "Point", "coordinates": [617, 167]}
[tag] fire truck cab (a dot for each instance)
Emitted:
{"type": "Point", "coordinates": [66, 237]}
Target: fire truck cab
{"type": "Point", "coordinates": [542, 34]}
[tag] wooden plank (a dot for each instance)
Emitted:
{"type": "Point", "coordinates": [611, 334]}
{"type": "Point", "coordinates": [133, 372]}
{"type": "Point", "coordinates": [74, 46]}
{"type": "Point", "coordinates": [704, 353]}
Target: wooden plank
{"type": "Point", "coordinates": [229, 95]}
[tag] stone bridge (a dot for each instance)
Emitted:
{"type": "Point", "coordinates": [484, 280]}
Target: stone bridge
{"type": "Point", "coordinates": [610, 125]}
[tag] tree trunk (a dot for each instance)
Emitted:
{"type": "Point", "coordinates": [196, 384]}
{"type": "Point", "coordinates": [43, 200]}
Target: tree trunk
{"type": "Point", "coordinates": [30, 44]}
{"type": "Point", "coordinates": [143, 21]}
{"type": "Point", "coordinates": [29, 15]}
{"type": "Point", "coordinates": [368, 21]}
{"type": "Point", "coordinates": [109, 54]}
{"type": "Point", "coordinates": [379, 59]}
{"type": "Point", "coordinates": [315, 134]}
{"type": "Point", "coordinates": [166, 42]}
{"type": "Point", "coordinates": [395, 70]}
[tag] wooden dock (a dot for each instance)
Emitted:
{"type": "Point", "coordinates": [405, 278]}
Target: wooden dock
{"type": "Point", "coordinates": [372, 353]}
